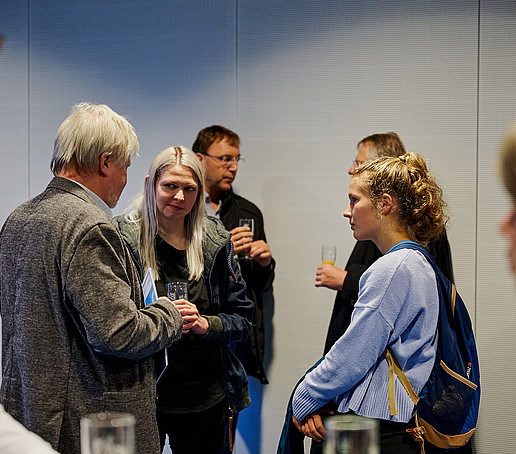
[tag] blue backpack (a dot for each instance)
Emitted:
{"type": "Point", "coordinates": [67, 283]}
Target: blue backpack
{"type": "Point", "coordinates": [447, 406]}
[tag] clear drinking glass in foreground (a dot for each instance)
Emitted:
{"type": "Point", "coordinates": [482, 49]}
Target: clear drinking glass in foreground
{"type": "Point", "coordinates": [351, 434]}
{"type": "Point", "coordinates": [107, 433]}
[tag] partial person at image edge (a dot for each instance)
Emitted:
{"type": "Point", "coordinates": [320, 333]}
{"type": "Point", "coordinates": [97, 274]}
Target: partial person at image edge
{"type": "Point", "coordinates": [16, 439]}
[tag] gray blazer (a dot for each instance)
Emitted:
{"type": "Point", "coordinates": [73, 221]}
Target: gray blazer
{"type": "Point", "coordinates": [76, 337]}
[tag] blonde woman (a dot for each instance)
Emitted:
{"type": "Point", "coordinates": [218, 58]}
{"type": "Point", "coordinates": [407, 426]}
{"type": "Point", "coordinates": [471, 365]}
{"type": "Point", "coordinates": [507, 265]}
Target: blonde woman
{"type": "Point", "coordinates": [168, 232]}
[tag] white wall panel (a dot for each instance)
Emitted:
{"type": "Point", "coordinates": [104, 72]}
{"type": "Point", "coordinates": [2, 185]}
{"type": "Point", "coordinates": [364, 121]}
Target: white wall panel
{"type": "Point", "coordinates": [168, 66]}
{"type": "Point", "coordinates": [14, 101]}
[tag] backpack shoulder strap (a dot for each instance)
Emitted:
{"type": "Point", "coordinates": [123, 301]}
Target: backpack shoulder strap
{"type": "Point", "coordinates": [416, 247]}
{"type": "Point", "coordinates": [394, 368]}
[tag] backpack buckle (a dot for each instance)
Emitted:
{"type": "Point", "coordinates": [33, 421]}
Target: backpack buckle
{"type": "Point", "coordinates": [417, 434]}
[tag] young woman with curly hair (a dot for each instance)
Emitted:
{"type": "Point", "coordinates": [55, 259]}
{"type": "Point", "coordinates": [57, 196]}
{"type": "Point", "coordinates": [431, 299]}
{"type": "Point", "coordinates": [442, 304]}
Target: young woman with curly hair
{"type": "Point", "coordinates": [392, 200]}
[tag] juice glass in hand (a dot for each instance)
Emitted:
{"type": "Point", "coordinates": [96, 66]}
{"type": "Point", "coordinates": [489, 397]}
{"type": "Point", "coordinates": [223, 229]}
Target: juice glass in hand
{"type": "Point", "coordinates": [328, 254]}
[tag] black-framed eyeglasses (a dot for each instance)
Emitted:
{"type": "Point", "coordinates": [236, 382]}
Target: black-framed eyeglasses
{"type": "Point", "coordinates": [226, 160]}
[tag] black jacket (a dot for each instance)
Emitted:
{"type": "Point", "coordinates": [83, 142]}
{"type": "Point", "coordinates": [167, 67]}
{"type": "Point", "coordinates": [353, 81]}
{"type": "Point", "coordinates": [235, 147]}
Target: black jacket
{"type": "Point", "coordinates": [258, 279]}
{"type": "Point", "coordinates": [231, 311]}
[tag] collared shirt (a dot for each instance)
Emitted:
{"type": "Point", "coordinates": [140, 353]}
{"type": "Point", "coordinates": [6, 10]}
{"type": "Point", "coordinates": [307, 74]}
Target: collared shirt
{"type": "Point", "coordinates": [98, 201]}
{"type": "Point", "coordinates": [209, 207]}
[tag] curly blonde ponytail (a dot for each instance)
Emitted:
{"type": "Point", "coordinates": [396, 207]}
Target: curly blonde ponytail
{"type": "Point", "coordinates": [419, 199]}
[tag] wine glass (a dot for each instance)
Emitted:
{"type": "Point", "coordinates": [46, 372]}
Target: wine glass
{"type": "Point", "coordinates": [247, 223]}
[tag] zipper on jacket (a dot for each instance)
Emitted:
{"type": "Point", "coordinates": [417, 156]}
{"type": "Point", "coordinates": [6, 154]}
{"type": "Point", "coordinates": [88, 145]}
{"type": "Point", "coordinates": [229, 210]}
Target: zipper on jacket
{"type": "Point", "coordinates": [230, 256]}
{"type": "Point", "coordinates": [230, 429]}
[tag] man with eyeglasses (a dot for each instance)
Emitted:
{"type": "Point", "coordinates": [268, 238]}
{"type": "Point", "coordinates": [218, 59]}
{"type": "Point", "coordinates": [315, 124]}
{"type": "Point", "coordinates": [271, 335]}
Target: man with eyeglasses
{"type": "Point", "coordinates": [364, 254]}
{"type": "Point", "coordinates": [218, 148]}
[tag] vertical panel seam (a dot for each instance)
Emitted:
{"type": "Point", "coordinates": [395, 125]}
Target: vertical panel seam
{"type": "Point", "coordinates": [28, 102]}
{"type": "Point", "coordinates": [477, 164]}
{"type": "Point", "coordinates": [236, 66]}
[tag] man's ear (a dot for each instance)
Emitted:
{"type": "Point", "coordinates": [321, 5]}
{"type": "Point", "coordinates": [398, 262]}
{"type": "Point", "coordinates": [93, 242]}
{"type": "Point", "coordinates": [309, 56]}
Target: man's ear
{"type": "Point", "coordinates": [200, 156]}
{"type": "Point", "coordinates": [387, 204]}
{"type": "Point", "coordinates": [104, 163]}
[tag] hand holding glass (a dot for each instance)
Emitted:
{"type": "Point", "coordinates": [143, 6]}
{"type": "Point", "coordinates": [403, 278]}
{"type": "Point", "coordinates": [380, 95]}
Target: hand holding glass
{"type": "Point", "coordinates": [178, 291]}
{"type": "Point", "coordinates": [247, 223]}
{"type": "Point", "coordinates": [328, 254]}
{"type": "Point", "coordinates": [107, 433]}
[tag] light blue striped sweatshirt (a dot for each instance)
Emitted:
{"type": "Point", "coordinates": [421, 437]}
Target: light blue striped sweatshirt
{"type": "Point", "coordinates": [397, 306]}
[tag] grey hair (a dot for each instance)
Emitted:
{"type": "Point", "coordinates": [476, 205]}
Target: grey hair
{"type": "Point", "coordinates": [89, 131]}
{"type": "Point", "coordinates": [383, 144]}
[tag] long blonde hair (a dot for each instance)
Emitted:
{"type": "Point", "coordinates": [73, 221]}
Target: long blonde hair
{"type": "Point", "coordinates": [419, 199]}
{"type": "Point", "coordinates": [144, 212]}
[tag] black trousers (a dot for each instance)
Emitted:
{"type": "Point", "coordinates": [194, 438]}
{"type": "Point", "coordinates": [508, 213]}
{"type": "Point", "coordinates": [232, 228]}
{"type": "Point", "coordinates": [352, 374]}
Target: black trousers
{"type": "Point", "coordinates": [194, 433]}
{"type": "Point", "coordinates": [394, 439]}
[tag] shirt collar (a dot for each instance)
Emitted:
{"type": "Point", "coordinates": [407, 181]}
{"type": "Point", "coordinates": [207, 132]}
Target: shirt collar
{"type": "Point", "coordinates": [98, 201]}
{"type": "Point", "coordinates": [209, 207]}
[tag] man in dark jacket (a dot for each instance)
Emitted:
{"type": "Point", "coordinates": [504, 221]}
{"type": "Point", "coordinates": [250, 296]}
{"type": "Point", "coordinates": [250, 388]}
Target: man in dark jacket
{"type": "Point", "coordinates": [218, 148]}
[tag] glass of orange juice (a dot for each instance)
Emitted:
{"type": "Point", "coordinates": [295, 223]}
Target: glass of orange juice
{"type": "Point", "coordinates": [328, 254]}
